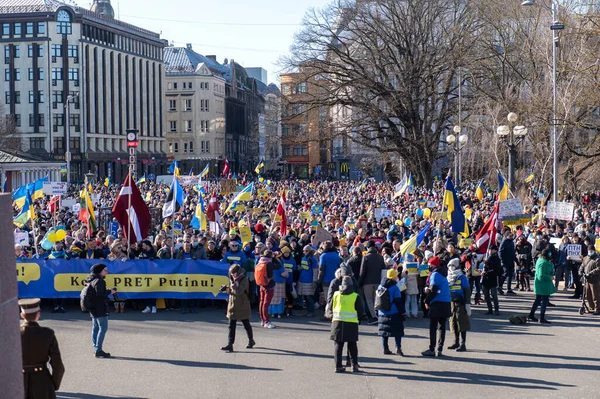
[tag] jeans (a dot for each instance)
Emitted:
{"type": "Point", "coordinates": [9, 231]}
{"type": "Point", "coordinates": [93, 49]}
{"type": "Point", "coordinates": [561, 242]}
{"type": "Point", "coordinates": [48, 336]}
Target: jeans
{"type": "Point", "coordinates": [508, 275]}
{"type": "Point", "coordinates": [576, 279]}
{"type": "Point", "coordinates": [310, 303]}
{"type": "Point", "coordinates": [475, 283]}
{"type": "Point", "coordinates": [558, 274]}
{"type": "Point", "coordinates": [99, 328]}
{"type": "Point", "coordinates": [384, 341]}
{"type": "Point", "coordinates": [368, 291]}
{"type": "Point", "coordinates": [232, 325]}
{"type": "Point", "coordinates": [543, 300]}
{"type": "Point", "coordinates": [491, 294]}
{"type": "Point", "coordinates": [437, 323]}
{"type": "Point", "coordinates": [338, 348]}
{"type": "Point", "coordinates": [265, 300]}
{"type": "Point", "coordinates": [411, 306]}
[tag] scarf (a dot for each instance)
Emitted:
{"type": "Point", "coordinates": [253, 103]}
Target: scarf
{"type": "Point", "coordinates": [453, 275]}
{"type": "Point", "coordinates": [236, 279]}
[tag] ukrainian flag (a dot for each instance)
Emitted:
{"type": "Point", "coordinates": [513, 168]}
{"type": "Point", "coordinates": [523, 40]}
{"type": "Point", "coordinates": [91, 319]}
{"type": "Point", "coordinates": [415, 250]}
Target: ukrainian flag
{"type": "Point", "coordinates": [26, 213]}
{"type": "Point", "coordinates": [204, 172]}
{"type": "Point", "coordinates": [502, 188]}
{"type": "Point", "coordinates": [174, 168]}
{"type": "Point", "coordinates": [530, 178]}
{"type": "Point", "coordinates": [361, 186]}
{"type": "Point", "coordinates": [455, 213]}
{"type": "Point", "coordinates": [199, 221]}
{"type": "Point", "coordinates": [413, 242]}
{"type": "Point", "coordinates": [35, 189]}
{"type": "Point", "coordinates": [401, 187]}
{"type": "Point", "coordinates": [142, 179]}
{"type": "Point", "coordinates": [244, 195]}
{"type": "Point", "coordinates": [479, 191]}
{"type": "Point", "coordinates": [107, 182]}
{"type": "Point", "coordinates": [260, 165]}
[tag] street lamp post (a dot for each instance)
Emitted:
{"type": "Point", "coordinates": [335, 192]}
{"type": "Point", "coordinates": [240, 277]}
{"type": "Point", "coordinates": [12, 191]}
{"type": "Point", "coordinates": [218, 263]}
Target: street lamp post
{"type": "Point", "coordinates": [512, 135]}
{"type": "Point", "coordinates": [555, 27]}
{"type": "Point", "coordinates": [68, 144]}
{"type": "Point", "coordinates": [457, 141]}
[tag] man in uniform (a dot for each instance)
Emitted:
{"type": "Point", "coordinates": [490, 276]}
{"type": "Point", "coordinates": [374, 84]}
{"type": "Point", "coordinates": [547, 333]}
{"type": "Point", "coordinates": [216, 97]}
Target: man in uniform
{"type": "Point", "coordinates": [39, 347]}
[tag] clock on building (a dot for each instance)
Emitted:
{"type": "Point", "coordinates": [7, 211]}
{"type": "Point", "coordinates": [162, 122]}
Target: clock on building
{"type": "Point", "coordinates": [132, 140]}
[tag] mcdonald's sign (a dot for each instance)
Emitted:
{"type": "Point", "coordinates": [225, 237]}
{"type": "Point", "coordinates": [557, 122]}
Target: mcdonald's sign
{"type": "Point", "coordinates": [344, 168]}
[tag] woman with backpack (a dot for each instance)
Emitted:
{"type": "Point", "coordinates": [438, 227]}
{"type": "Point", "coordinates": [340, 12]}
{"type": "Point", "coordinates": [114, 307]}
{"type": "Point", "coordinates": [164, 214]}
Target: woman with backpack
{"type": "Point", "coordinates": [263, 275]}
{"type": "Point", "coordinates": [389, 304]}
{"type": "Point", "coordinates": [238, 307]}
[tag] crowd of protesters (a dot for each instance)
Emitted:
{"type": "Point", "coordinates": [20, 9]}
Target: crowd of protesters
{"type": "Point", "coordinates": [303, 265]}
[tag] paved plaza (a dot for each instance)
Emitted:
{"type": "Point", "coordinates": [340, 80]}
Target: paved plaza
{"type": "Point", "coordinates": [169, 355]}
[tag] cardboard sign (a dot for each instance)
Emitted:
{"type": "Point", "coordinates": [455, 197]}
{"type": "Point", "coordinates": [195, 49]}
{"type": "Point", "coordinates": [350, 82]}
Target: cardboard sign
{"type": "Point", "coordinates": [431, 204]}
{"type": "Point", "coordinates": [510, 207]}
{"type": "Point", "coordinates": [317, 209]}
{"type": "Point", "coordinates": [597, 244]}
{"type": "Point", "coordinates": [560, 210]}
{"type": "Point", "coordinates": [380, 213]}
{"type": "Point", "coordinates": [54, 188]}
{"type": "Point", "coordinates": [263, 193]}
{"type": "Point", "coordinates": [95, 199]}
{"type": "Point", "coordinates": [322, 235]}
{"type": "Point", "coordinates": [227, 186]}
{"type": "Point", "coordinates": [424, 270]}
{"type": "Point", "coordinates": [465, 243]}
{"type": "Point", "coordinates": [304, 216]}
{"type": "Point", "coordinates": [574, 251]}
{"type": "Point", "coordinates": [68, 203]}
{"type": "Point", "coordinates": [411, 267]}
{"type": "Point", "coordinates": [22, 238]}
{"type": "Point", "coordinates": [245, 234]}
{"type": "Point", "coordinates": [555, 241]}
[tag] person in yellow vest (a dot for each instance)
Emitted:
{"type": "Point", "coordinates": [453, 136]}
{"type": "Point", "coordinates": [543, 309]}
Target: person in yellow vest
{"type": "Point", "coordinates": [347, 308]}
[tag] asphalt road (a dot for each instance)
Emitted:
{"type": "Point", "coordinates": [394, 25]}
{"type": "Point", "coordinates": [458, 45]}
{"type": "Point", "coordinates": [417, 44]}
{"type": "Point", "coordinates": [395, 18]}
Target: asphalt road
{"type": "Point", "coordinates": [169, 355]}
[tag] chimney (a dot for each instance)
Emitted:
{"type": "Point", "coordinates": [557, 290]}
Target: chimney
{"type": "Point", "coordinates": [212, 57]}
{"type": "Point", "coordinates": [189, 46]}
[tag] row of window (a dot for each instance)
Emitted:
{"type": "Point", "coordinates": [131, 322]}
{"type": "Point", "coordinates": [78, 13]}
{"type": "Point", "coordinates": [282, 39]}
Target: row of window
{"type": "Point", "coordinates": [289, 88]}
{"type": "Point", "coordinates": [188, 127]}
{"type": "Point", "coordinates": [8, 99]}
{"type": "Point", "coordinates": [16, 53]}
{"type": "Point", "coordinates": [111, 39]}
{"type": "Point", "coordinates": [18, 28]}
{"type": "Point", "coordinates": [72, 51]}
{"type": "Point", "coordinates": [297, 130]}
{"type": "Point", "coordinates": [189, 147]}
{"type": "Point", "coordinates": [298, 150]}
{"type": "Point", "coordinates": [187, 105]}
{"type": "Point", "coordinates": [188, 86]}
{"type": "Point", "coordinates": [57, 74]}
{"type": "Point", "coordinates": [40, 143]}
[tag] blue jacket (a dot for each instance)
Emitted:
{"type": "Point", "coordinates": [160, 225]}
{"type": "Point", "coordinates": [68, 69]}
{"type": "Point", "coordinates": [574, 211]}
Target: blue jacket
{"type": "Point", "coordinates": [395, 297]}
{"type": "Point", "coordinates": [457, 288]}
{"type": "Point", "coordinates": [329, 262]}
{"type": "Point", "coordinates": [290, 266]}
{"type": "Point", "coordinates": [306, 268]}
{"type": "Point", "coordinates": [238, 257]}
{"type": "Point", "coordinates": [443, 294]}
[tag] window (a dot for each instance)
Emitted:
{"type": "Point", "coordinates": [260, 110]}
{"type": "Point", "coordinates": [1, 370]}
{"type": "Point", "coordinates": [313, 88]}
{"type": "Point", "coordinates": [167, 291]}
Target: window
{"type": "Point", "coordinates": [58, 120]}
{"type": "Point", "coordinates": [41, 98]}
{"type": "Point", "coordinates": [202, 146]}
{"type": "Point", "coordinates": [5, 29]}
{"type": "Point", "coordinates": [17, 74]}
{"type": "Point", "coordinates": [18, 120]}
{"type": "Point", "coordinates": [17, 97]}
{"type": "Point", "coordinates": [184, 85]}
{"type": "Point", "coordinates": [297, 109]}
{"type": "Point", "coordinates": [7, 52]}
{"type": "Point", "coordinates": [57, 73]}
{"type": "Point", "coordinates": [208, 146]}
{"type": "Point", "coordinates": [185, 145]}
{"type": "Point", "coordinates": [30, 73]}
{"type": "Point", "coordinates": [176, 147]}
{"type": "Point", "coordinates": [73, 52]}
{"type": "Point", "coordinates": [31, 97]}
{"type": "Point", "coordinates": [74, 144]}
{"type": "Point", "coordinates": [172, 105]}
{"type": "Point", "coordinates": [17, 50]}
{"type": "Point", "coordinates": [38, 143]}
{"type": "Point", "coordinates": [173, 126]}
{"type": "Point", "coordinates": [191, 146]}
{"type": "Point", "coordinates": [7, 97]}
{"type": "Point", "coordinates": [57, 97]}
{"type": "Point", "coordinates": [175, 86]}
{"type": "Point", "coordinates": [74, 99]}
{"type": "Point", "coordinates": [41, 73]}
{"type": "Point", "coordinates": [40, 50]}
{"type": "Point", "coordinates": [29, 28]}
{"type": "Point", "coordinates": [30, 51]}
{"type": "Point", "coordinates": [31, 119]}
{"type": "Point", "coordinates": [207, 126]}
{"type": "Point", "coordinates": [63, 23]}
{"type": "Point", "coordinates": [56, 50]}
{"type": "Point", "coordinates": [285, 130]}
{"type": "Point", "coordinates": [189, 85]}
{"type": "Point", "coordinates": [206, 105]}
{"type": "Point", "coordinates": [299, 129]}
{"type": "Point", "coordinates": [73, 74]}
{"type": "Point", "coordinates": [41, 28]}
{"type": "Point", "coordinates": [301, 88]}
{"type": "Point", "coordinates": [41, 119]}
{"type": "Point", "coordinates": [74, 121]}
{"type": "Point", "coordinates": [188, 126]}
{"type": "Point", "coordinates": [59, 144]}
{"type": "Point", "coordinates": [300, 150]}
{"type": "Point", "coordinates": [18, 29]}
{"type": "Point", "coordinates": [286, 150]}
{"type": "Point", "coordinates": [201, 126]}
{"type": "Point", "coordinates": [188, 105]}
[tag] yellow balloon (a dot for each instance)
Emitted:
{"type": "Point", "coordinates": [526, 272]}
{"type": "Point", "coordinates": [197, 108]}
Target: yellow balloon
{"type": "Point", "coordinates": [52, 237]}
{"type": "Point", "coordinates": [60, 235]}
{"type": "Point", "coordinates": [426, 212]}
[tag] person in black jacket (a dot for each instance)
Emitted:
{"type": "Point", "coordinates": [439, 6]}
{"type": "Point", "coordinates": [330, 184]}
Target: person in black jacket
{"type": "Point", "coordinates": [99, 308]}
{"type": "Point", "coordinates": [507, 258]}
{"type": "Point", "coordinates": [492, 269]}
{"type": "Point", "coordinates": [525, 262]}
{"type": "Point", "coordinates": [370, 276]}
{"type": "Point", "coordinates": [355, 261]}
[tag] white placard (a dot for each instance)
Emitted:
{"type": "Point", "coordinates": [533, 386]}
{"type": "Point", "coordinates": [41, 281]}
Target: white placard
{"type": "Point", "coordinates": [431, 204]}
{"type": "Point", "coordinates": [68, 203]}
{"type": "Point", "coordinates": [560, 210]}
{"type": "Point", "coordinates": [574, 251]}
{"type": "Point", "coordinates": [75, 208]}
{"type": "Point", "coordinates": [555, 241]}
{"type": "Point", "coordinates": [381, 213]}
{"type": "Point", "coordinates": [22, 238]}
{"type": "Point", "coordinates": [95, 199]}
{"type": "Point", "coordinates": [55, 188]}
{"type": "Point", "coordinates": [510, 207]}
{"type": "Point", "coordinates": [188, 180]}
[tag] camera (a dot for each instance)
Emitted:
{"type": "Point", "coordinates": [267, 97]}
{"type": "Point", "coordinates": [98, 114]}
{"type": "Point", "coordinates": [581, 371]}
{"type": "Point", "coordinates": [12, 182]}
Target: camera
{"type": "Point", "coordinates": [223, 288]}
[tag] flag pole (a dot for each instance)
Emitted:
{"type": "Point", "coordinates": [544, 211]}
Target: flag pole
{"type": "Point", "coordinates": [129, 210]}
{"type": "Point", "coordinates": [443, 205]}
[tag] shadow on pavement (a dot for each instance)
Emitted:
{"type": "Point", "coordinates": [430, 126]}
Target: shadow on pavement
{"type": "Point", "coordinates": [189, 363]}
{"type": "Point", "coordinates": [523, 363]}
{"type": "Point", "coordinates": [70, 395]}
{"type": "Point", "coordinates": [545, 356]}
{"type": "Point", "coordinates": [361, 359]}
{"type": "Point", "coordinates": [470, 379]}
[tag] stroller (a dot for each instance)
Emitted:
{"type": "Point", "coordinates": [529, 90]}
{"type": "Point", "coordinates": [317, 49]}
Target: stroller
{"type": "Point", "coordinates": [584, 306]}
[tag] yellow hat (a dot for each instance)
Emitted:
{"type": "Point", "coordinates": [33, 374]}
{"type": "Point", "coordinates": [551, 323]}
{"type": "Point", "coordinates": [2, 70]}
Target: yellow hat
{"type": "Point", "coordinates": [285, 250]}
{"type": "Point", "coordinates": [392, 274]}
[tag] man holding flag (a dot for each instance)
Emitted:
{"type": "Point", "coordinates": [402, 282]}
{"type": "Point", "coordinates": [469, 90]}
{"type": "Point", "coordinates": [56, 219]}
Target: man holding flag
{"type": "Point", "coordinates": [456, 215]}
{"type": "Point", "coordinates": [131, 212]}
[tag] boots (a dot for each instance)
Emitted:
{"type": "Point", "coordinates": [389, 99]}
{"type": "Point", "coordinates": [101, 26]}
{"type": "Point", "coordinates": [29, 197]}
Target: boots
{"type": "Point", "coordinates": [122, 307]}
{"type": "Point", "coordinates": [228, 348]}
{"type": "Point", "coordinates": [116, 307]}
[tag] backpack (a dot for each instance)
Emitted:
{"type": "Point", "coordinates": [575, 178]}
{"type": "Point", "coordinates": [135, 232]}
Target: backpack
{"type": "Point", "coordinates": [260, 274]}
{"type": "Point", "coordinates": [383, 301]}
{"type": "Point", "coordinates": [518, 319]}
{"type": "Point", "coordinates": [86, 298]}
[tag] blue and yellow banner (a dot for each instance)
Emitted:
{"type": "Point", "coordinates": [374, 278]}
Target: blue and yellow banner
{"type": "Point", "coordinates": [134, 279]}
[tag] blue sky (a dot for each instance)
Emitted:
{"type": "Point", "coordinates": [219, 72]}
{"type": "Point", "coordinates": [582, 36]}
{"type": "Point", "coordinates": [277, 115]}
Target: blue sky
{"type": "Point", "coordinates": [217, 27]}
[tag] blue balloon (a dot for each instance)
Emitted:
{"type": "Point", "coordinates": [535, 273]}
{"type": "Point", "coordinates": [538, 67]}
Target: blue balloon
{"type": "Point", "coordinates": [419, 212]}
{"type": "Point", "coordinates": [407, 221]}
{"type": "Point", "coordinates": [47, 245]}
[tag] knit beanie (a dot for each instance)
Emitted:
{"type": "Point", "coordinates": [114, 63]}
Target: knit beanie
{"type": "Point", "coordinates": [97, 268]}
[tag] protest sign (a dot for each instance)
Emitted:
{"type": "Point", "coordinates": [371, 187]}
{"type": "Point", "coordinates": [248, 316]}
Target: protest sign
{"type": "Point", "coordinates": [510, 207]}
{"type": "Point", "coordinates": [177, 229]}
{"type": "Point", "coordinates": [227, 186]}
{"type": "Point", "coordinates": [560, 210]}
{"type": "Point", "coordinates": [54, 188]}
{"type": "Point", "coordinates": [411, 267]}
{"type": "Point", "coordinates": [381, 213]}
{"type": "Point", "coordinates": [188, 180]}
{"type": "Point", "coordinates": [322, 235]}
{"type": "Point", "coordinates": [22, 238]}
{"type": "Point", "coordinates": [574, 251]}
{"type": "Point", "coordinates": [245, 234]}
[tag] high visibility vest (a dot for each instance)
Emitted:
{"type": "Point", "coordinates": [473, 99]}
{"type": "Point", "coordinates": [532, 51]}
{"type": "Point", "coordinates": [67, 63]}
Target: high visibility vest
{"type": "Point", "coordinates": [343, 307]}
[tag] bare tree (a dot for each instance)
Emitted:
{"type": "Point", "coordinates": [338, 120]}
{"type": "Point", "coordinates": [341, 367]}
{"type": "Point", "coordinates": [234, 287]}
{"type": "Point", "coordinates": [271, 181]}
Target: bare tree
{"type": "Point", "coordinates": [9, 140]}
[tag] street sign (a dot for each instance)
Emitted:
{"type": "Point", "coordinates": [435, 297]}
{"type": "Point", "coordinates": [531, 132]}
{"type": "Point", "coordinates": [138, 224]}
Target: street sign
{"type": "Point", "coordinates": [557, 27]}
{"type": "Point", "coordinates": [54, 188]}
